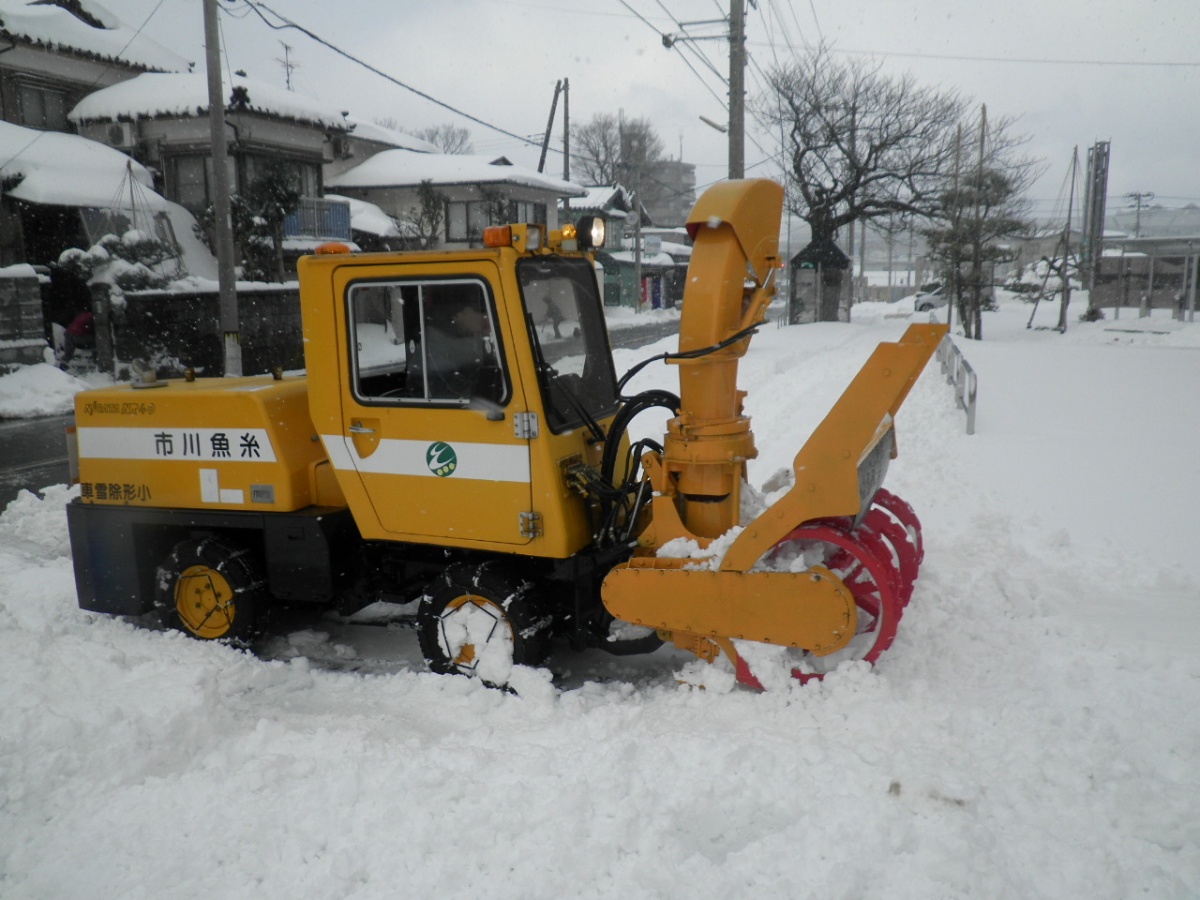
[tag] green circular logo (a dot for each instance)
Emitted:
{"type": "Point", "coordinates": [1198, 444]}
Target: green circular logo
{"type": "Point", "coordinates": [441, 459]}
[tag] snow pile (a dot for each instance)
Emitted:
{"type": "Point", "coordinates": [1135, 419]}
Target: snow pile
{"type": "Point", "coordinates": [1030, 734]}
{"type": "Point", "coordinates": [42, 390]}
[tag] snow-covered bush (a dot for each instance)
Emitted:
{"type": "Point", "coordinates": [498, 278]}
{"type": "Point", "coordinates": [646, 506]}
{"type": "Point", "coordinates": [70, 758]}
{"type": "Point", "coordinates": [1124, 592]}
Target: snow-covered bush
{"type": "Point", "coordinates": [126, 262]}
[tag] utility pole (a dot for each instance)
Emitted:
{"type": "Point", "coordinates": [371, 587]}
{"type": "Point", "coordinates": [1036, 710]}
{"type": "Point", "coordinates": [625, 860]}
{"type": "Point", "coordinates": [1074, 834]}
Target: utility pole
{"type": "Point", "coordinates": [636, 147]}
{"type": "Point", "coordinates": [566, 129]}
{"type": "Point", "coordinates": [549, 126]}
{"type": "Point", "coordinates": [862, 261]}
{"type": "Point", "coordinates": [976, 328]}
{"type": "Point", "coordinates": [1094, 202]}
{"type": "Point", "coordinates": [737, 89]}
{"type": "Point", "coordinates": [1066, 244]}
{"type": "Point", "coordinates": [955, 220]}
{"type": "Point", "coordinates": [1137, 197]}
{"type": "Point", "coordinates": [222, 221]}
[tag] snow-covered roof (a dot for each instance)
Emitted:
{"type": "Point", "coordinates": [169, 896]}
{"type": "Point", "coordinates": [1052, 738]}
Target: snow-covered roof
{"type": "Point", "coordinates": [67, 170]}
{"type": "Point", "coordinates": [663, 260]}
{"type": "Point", "coordinates": [96, 32]}
{"type": "Point", "coordinates": [371, 131]}
{"type": "Point", "coordinates": [405, 168]}
{"type": "Point", "coordinates": [677, 249]}
{"type": "Point", "coordinates": [180, 94]}
{"type": "Point", "coordinates": [604, 196]}
{"type": "Point", "coordinates": [368, 217]}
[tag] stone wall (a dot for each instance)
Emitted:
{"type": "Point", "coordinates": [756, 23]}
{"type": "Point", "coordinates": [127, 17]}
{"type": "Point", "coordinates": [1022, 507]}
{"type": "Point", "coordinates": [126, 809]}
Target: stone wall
{"type": "Point", "coordinates": [175, 331]}
{"type": "Point", "coordinates": [22, 328]}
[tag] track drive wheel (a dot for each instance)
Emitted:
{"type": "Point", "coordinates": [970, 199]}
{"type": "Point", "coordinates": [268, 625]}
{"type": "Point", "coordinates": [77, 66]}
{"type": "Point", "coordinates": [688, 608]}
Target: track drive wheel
{"type": "Point", "coordinates": [479, 620]}
{"type": "Point", "coordinates": [212, 589]}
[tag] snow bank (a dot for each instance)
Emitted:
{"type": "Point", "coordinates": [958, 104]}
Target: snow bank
{"type": "Point", "coordinates": [42, 390]}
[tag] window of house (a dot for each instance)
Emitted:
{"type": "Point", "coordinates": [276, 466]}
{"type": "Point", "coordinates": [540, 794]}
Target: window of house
{"type": "Point", "coordinates": [525, 211]}
{"type": "Point", "coordinates": [456, 221]}
{"type": "Point", "coordinates": [465, 220]}
{"type": "Point", "coordinates": [305, 175]}
{"type": "Point", "coordinates": [189, 178]}
{"type": "Point", "coordinates": [43, 108]}
{"type": "Point", "coordinates": [189, 181]}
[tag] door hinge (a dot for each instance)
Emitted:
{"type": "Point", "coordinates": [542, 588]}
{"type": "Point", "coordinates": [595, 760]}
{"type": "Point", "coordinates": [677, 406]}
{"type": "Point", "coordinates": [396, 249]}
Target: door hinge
{"type": "Point", "coordinates": [531, 524]}
{"type": "Point", "coordinates": [525, 424]}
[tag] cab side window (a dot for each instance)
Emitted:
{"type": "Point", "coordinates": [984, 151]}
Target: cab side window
{"type": "Point", "coordinates": [425, 342]}
{"type": "Point", "coordinates": [381, 332]}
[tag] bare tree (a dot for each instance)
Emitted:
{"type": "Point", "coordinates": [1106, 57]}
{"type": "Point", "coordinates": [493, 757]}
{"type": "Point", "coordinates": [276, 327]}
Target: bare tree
{"type": "Point", "coordinates": [447, 137]}
{"type": "Point", "coordinates": [425, 219]}
{"type": "Point", "coordinates": [597, 155]}
{"type": "Point", "coordinates": [862, 145]}
{"type": "Point", "coordinates": [983, 206]}
{"type": "Point", "coordinates": [610, 148]}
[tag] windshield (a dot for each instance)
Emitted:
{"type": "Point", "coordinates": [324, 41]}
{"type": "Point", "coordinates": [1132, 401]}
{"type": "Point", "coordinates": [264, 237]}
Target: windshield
{"type": "Point", "coordinates": [570, 339]}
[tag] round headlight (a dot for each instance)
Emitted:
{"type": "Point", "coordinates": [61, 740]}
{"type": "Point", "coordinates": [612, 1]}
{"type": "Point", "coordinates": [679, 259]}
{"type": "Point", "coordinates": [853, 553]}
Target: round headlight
{"type": "Point", "coordinates": [591, 232]}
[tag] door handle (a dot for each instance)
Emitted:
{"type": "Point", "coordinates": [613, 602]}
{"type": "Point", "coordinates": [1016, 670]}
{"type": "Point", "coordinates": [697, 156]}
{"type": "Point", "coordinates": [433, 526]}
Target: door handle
{"type": "Point", "coordinates": [361, 429]}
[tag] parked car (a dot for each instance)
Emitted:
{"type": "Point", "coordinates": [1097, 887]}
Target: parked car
{"type": "Point", "coordinates": [923, 301]}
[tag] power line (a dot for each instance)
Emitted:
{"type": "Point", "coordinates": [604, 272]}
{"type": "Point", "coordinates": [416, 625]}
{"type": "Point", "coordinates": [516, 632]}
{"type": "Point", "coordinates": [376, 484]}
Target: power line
{"type": "Point", "coordinates": [289, 24]}
{"type": "Point", "coordinates": [658, 31]}
{"type": "Point", "coordinates": [816, 21]}
{"type": "Point", "coordinates": [691, 45]}
{"type": "Point", "coordinates": [1012, 59]}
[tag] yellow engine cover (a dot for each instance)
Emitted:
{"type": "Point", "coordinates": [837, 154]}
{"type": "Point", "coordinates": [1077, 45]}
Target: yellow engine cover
{"type": "Point", "coordinates": [214, 443]}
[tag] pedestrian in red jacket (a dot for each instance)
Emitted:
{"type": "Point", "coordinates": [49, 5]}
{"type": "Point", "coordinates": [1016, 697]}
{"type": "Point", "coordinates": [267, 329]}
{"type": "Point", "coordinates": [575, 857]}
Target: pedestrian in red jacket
{"type": "Point", "coordinates": [80, 333]}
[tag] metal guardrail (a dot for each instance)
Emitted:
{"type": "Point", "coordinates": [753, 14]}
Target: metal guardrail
{"type": "Point", "coordinates": [959, 373]}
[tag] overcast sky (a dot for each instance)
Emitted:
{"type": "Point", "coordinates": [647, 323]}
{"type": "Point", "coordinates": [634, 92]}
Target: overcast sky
{"type": "Point", "coordinates": [1074, 72]}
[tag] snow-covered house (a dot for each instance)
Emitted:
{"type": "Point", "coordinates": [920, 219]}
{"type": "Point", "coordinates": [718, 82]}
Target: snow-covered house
{"type": "Point", "coordinates": [475, 190]}
{"type": "Point", "coordinates": [164, 117]}
{"type": "Point", "coordinates": [663, 262]}
{"type": "Point", "coordinates": [62, 191]}
{"type": "Point", "coordinates": [364, 139]}
{"type": "Point", "coordinates": [58, 51]}
{"type": "Point", "coordinates": [613, 203]}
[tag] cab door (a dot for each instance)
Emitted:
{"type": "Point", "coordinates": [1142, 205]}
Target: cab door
{"type": "Point", "coordinates": [433, 418]}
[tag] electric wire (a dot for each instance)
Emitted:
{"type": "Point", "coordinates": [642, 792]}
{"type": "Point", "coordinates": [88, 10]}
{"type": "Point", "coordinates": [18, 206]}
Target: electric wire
{"type": "Point", "coordinates": [289, 24]}
{"type": "Point", "coordinates": [691, 43]}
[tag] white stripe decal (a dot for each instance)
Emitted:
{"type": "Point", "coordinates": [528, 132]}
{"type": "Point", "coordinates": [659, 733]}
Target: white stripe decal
{"type": "Point", "coordinates": [179, 444]}
{"type": "Point", "coordinates": [482, 462]}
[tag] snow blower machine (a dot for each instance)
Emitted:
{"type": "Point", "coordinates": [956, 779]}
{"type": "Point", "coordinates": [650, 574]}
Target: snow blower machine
{"type": "Point", "coordinates": [459, 446]}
